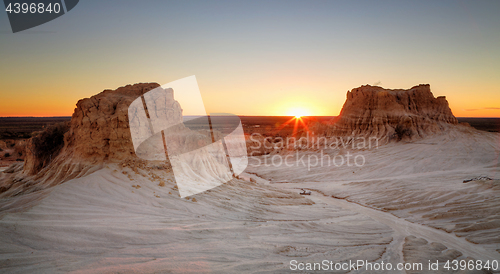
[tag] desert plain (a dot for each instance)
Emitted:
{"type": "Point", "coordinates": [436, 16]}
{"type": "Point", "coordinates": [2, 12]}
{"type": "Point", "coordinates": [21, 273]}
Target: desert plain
{"type": "Point", "coordinates": [427, 191]}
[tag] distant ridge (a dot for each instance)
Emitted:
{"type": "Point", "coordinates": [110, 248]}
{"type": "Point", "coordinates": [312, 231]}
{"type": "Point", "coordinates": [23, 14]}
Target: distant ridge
{"type": "Point", "coordinates": [3, 117]}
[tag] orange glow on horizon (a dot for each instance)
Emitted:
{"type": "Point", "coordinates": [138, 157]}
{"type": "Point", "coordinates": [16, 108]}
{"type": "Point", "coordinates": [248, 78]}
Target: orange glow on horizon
{"type": "Point", "coordinates": [299, 112]}
{"type": "Point", "coordinates": [10, 111]}
{"type": "Point", "coordinates": [49, 103]}
{"type": "Point", "coordinates": [23, 111]}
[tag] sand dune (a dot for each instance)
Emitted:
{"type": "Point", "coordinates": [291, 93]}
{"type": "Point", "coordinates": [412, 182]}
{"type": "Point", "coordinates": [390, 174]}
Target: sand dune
{"type": "Point", "coordinates": [417, 189]}
{"type": "Point", "coordinates": [119, 219]}
{"type": "Point", "coordinates": [97, 208]}
{"type": "Point", "coordinates": [101, 223]}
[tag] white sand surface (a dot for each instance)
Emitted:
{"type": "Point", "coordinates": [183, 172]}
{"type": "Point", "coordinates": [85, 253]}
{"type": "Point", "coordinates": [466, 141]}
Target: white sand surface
{"type": "Point", "coordinates": [406, 204]}
{"type": "Point", "coordinates": [101, 224]}
{"type": "Point", "coordinates": [415, 188]}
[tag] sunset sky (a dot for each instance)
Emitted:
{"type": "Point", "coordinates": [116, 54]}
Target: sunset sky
{"type": "Point", "coordinates": [256, 57]}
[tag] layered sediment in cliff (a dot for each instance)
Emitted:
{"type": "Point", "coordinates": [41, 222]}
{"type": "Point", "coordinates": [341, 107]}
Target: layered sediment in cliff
{"type": "Point", "coordinates": [97, 133]}
{"type": "Point", "coordinates": [392, 114]}
{"type": "Point", "coordinates": [132, 126]}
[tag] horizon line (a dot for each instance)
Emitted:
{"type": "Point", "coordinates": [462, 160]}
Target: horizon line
{"type": "Point", "coordinates": [235, 114]}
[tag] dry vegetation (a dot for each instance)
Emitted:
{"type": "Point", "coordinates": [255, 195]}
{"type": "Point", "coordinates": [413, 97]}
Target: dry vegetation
{"type": "Point", "coordinates": [46, 145]}
{"type": "Point", "coordinates": [22, 127]}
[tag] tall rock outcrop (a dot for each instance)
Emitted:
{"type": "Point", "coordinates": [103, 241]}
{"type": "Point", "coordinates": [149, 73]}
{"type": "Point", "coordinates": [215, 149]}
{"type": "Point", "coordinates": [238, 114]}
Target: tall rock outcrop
{"type": "Point", "coordinates": [117, 126]}
{"type": "Point", "coordinates": [392, 114]}
{"type": "Point", "coordinates": [97, 133]}
{"type": "Point", "coordinates": [99, 129]}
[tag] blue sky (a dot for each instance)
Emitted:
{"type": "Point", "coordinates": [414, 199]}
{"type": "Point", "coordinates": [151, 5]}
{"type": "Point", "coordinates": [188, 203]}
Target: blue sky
{"type": "Point", "coordinates": [256, 57]}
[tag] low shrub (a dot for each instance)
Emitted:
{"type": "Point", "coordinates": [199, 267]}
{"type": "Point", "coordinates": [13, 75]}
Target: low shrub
{"type": "Point", "coordinates": [46, 144]}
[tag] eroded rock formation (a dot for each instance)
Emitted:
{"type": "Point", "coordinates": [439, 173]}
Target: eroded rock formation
{"type": "Point", "coordinates": [98, 133]}
{"type": "Point", "coordinates": [99, 128]}
{"type": "Point", "coordinates": [392, 114]}
{"type": "Point", "coordinates": [102, 131]}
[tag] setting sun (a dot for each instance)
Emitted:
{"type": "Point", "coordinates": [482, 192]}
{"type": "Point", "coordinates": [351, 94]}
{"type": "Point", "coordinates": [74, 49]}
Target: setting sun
{"type": "Point", "coordinates": [298, 112]}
